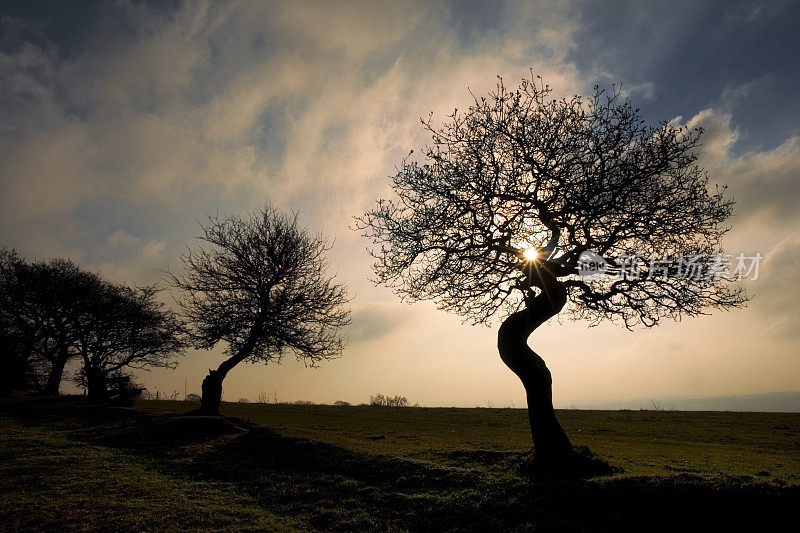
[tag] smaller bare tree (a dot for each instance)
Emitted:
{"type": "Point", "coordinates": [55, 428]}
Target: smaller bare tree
{"type": "Point", "coordinates": [261, 288]}
{"type": "Point", "coordinates": [121, 328]}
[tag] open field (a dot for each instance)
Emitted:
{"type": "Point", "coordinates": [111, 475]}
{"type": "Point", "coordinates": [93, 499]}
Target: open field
{"type": "Point", "coordinates": [66, 465]}
{"type": "Point", "coordinates": [651, 443]}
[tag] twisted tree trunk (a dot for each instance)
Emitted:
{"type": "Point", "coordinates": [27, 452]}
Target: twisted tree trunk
{"type": "Point", "coordinates": [550, 443]}
{"type": "Point", "coordinates": [212, 384]}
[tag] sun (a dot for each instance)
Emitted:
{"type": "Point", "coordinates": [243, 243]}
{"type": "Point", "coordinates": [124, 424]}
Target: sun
{"type": "Point", "coordinates": [531, 253]}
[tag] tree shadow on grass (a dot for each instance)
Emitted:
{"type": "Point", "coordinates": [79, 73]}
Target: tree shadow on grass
{"type": "Point", "coordinates": [341, 490]}
{"type": "Point", "coordinates": [330, 488]}
{"type": "Point", "coordinates": [479, 490]}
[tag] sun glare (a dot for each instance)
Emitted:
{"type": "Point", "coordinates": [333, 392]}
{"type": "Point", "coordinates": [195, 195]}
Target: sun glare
{"type": "Point", "coordinates": [531, 254]}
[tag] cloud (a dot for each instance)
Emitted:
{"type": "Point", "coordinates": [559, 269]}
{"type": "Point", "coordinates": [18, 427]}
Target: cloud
{"type": "Point", "coordinates": [777, 296]}
{"type": "Point", "coordinates": [222, 106]}
{"type": "Point", "coordinates": [134, 119]}
{"type": "Point", "coordinates": [120, 238]}
{"type": "Point", "coordinates": [152, 250]}
{"type": "Point", "coordinates": [378, 320]}
{"type": "Point", "coordinates": [766, 188]}
{"type": "Point", "coordinates": [151, 117]}
{"type": "Point", "coordinates": [125, 258]}
{"type": "Point", "coordinates": [691, 53]}
{"type": "Point", "coordinates": [764, 183]}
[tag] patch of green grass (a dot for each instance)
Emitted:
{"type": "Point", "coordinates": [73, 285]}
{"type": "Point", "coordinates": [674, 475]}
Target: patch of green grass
{"type": "Point", "coordinates": [67, 465]}
{"type": "Point", "coordinates": [642, 443]}
{"type": "Point", "coordinates": [51, 482]}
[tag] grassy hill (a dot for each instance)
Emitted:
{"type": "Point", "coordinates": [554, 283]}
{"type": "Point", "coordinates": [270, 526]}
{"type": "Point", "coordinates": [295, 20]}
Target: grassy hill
{"type": "Point", "coordinates": [66, 465]}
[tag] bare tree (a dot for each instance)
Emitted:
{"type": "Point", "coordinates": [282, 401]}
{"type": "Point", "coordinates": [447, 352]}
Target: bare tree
{"type": "Point", "coordinates": [17, 335]}
{"type": "Point", "coordinates": [511, 193]}
{"type": "Point", "coordinates": [40, 302]}
{"type": "Point", "coordinates": [261, 288]}
{"type": "Point", "coordinates": [120, 328]}
{"type": "Point", "coordinates": [53, 311]}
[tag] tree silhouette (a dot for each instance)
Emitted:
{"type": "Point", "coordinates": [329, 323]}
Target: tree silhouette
{"type": "Point", "coordinates": [41, 301]}
{"type": "Point", "coordinates": [261, 287]}
{"type": "Point", "coordinates": [120, 328]}
{"type": "Point", "coordinates": [514, 190]}
{"type": "Point", "coordinates": [17, 336]}
{"type": "Point", "coordinates": [53, 311]}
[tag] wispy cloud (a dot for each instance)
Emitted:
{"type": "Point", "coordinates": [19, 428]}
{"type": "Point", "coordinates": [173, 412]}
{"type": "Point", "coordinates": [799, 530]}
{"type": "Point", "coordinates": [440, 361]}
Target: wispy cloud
{"type": "Point", "coordinates": [124, 125]}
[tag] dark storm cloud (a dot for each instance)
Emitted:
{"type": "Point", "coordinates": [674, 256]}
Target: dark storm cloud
{"type": "Point", "coordinates": [688, 54]}
{"type": "Point", "coordinates": [63, 24]}
{"type": "Point", "coordinates": [70, 29]}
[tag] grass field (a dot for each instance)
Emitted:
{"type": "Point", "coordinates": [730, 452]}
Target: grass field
{"type": "Point", "coordinates": [66, 465]}
{"type": "Point", "coordinates": [652, 443]}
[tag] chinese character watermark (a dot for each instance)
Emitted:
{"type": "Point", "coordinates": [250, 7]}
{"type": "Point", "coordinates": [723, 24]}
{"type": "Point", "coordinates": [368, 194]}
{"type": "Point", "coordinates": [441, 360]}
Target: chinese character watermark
{"type": "Point", "coordinates": [692, 267]}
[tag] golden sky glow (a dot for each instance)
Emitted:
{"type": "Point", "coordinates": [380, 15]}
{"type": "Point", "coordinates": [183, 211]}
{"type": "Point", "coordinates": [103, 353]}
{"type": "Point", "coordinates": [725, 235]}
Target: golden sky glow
{"type": "Point", "coordinates": [115, 142]}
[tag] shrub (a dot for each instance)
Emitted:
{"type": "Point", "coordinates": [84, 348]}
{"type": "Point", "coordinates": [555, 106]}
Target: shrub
{"type": "Point", "coordinates": [379, 400]}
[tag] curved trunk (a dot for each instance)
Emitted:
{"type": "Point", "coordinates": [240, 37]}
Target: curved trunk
{"type": "Point", "coordinates": [550, 443]}
{"type": "Point", "coordinates": [211, 391]}
{"type": "Point", "coordinates": [212, 384]}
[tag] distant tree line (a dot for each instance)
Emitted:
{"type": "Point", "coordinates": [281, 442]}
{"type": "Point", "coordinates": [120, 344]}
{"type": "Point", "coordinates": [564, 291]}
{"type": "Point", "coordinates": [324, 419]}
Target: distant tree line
{"type": "Point", "coordinates": [380, 400]}
{"type": "Point", "coordinates": [53, 311]}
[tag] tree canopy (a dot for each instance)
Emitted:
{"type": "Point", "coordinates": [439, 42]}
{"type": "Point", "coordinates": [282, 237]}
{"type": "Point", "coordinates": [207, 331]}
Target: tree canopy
{"type": "Point", "coordinates": [41, 301]}
{"type": "Point", "coordinates": [264, 274]}
{"type": "Point", "coordinates": [121, 328]}
{"type": "Point", "coordinates": [520, 169]}
{"type": "Point", "coordinates": [53, 311]}
{"type": "Point", "coordinates": [261, 287]}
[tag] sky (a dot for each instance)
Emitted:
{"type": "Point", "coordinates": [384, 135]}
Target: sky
{"type": "Point", "coordinates": [122, 124]}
